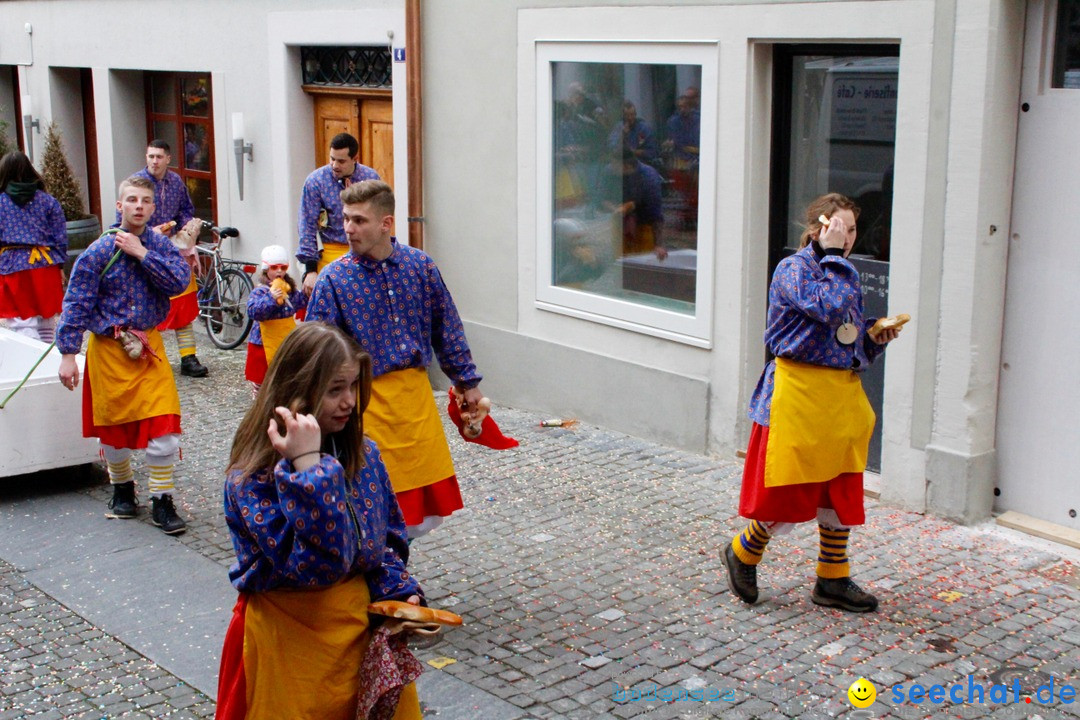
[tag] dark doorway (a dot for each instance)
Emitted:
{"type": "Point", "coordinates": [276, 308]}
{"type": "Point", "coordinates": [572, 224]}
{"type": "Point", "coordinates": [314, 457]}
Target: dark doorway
{"type": "Point", "coordinates": [834, 130]}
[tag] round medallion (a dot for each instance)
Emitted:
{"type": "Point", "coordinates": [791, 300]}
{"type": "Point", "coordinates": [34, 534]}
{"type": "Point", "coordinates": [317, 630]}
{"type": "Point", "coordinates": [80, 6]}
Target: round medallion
{"type": "Point", "coordinates": [847, 333]}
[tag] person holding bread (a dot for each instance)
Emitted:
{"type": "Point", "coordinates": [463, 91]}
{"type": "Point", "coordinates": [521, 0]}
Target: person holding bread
{"type": "Point", "coordinates": [318, 536]}
{"type": "Point", "coordinates": [273, 306]}
{"type": "Point", "coordinates": [811, 419]}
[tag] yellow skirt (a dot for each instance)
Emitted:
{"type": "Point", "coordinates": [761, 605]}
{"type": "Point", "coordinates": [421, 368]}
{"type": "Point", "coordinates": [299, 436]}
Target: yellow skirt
{"type": "Point", "coordinates": [297, 653]}
{"type": "Point", "coordinates": [819, 426]}
{"type": "Point", "coordinates": [127, 390]}
{"type": "Point", "coordinates": [331, 252]}
{"type": "Point", "coordinates": [404, 422]}
{"type": "Point", "coordinates": [274, 333]}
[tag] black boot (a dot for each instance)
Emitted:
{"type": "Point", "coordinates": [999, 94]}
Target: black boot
{"type": "Point", "coordinates": [124, 504]}
{"type": "Point", "coordinates": [844, 594]}
{"type": "Point", "coordinates": [742, 578]}
{"type": "Point", "coordinates": [164, 515]}
{"type": "Point", "coordinates": [190, 366]}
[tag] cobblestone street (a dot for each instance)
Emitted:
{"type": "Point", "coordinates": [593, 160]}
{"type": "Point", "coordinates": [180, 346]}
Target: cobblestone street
{"type": "Point", "coordinates": [587, 567]}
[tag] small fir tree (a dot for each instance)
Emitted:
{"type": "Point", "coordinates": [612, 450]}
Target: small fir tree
{"type": "Point", "coordinates": [5, 142]}
{"type": "Point", "coordinates": [59, 179]}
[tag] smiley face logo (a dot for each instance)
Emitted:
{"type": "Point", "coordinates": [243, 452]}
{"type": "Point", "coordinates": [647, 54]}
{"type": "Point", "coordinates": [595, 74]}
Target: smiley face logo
{"type": "Point", "coordinates": [861, 693]}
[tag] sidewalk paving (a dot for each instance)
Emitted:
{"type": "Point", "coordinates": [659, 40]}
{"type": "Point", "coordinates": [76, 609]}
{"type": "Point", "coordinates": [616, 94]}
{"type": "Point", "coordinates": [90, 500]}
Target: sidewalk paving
{"type": "Point", "coordinates": [586, 565]}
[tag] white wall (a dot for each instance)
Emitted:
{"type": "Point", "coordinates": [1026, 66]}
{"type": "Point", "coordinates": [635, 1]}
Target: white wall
{"type": "Point", "coordinates": [958, 71]}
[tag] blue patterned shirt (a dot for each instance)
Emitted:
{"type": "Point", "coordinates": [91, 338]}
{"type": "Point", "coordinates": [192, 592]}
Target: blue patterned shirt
{"type": "Point", "coordinates": [808, 299]}
{"type": "Point", "coordinates": [39, 222]}
{"type": "Point", "coordinates": [171, 200]}
{"type": "Point", "coordinates": [398, 309]}
{"type": "Point", "coordinates": [131, 294]}
{"type": "Point", "coordinates": [294, 529]}
{"type": "Point", "coordinates": [322, 191]}
{"type": "Point", "coordinates": [262, 306]}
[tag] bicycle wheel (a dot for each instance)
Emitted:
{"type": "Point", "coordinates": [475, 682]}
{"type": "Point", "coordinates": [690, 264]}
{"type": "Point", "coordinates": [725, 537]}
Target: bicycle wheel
{"type": "Point", "coordinates": [227, 321]}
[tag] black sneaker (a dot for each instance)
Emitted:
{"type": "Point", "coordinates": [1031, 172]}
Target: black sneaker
{"type": "Point", "coordinates": [844, 594]}
{"type": "Point", "coordinates": [124, 505]}
{"type": "Point", "coordinates": [191, 367]}
{"type": "Point", "coordinates": [164, 515]}
{"type": "Point", "coordinates": [741, 578]}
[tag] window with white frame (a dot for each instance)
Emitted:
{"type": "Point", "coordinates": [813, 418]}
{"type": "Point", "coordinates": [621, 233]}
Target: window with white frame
{"type": "Point", "coordinates": [626, 148]}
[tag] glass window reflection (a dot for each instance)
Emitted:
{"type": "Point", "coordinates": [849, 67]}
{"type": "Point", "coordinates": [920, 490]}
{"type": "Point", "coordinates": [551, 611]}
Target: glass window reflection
{"type": "Point", "coordinates": [625, 175]}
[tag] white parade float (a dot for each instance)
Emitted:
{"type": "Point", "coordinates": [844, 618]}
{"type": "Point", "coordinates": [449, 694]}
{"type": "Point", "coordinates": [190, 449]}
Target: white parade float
{"type": "Point", "coordinates": [41, 426]}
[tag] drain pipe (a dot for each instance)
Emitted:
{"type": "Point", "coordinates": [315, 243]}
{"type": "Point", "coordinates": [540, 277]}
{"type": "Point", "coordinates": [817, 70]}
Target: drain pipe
{"type": "Point", "coordinates": [414, 112]}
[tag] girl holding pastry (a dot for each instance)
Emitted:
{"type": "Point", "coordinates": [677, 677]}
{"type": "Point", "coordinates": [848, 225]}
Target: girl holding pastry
{"type": "Point", "coordinates": [811, 419]}
{"type": "Point", "coordinates": [272, 305]}
{"type": "Point", "coordinates": [318, 536]}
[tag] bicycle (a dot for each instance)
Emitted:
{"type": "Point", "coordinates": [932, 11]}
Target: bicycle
{"type": "Point", "coordinates": [223, 287]}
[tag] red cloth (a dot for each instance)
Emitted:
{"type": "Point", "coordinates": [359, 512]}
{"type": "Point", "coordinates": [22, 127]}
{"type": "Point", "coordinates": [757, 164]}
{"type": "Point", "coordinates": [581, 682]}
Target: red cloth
{"type": "Point", "coordinates": [387, 668]}
{"type": "Point", "coordinates": [183, 310]}
{"type": "Point", "coordinates": [255, 366]}
{"type": "Point", "coordinates": [37, 291]}
{"type": "Point", "coordinates": [438, 499]}
{"type": "Point", "coordinates": [490, 435]}
{"type": "Point", "coordinates": [795, 503]}
{"type": "Point", "coordinates": [134, 435]}
{"type": "Point", "coordinates": [232, 686]}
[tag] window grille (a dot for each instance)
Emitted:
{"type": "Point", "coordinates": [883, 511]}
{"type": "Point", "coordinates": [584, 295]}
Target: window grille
{"type": "Point", "coordinates": [367, 67]}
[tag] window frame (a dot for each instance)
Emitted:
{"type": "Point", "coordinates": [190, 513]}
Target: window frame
{"type": "Point", "coordinates": [696, 329]}
{"type": "Point", "coordinates": [179, 156]}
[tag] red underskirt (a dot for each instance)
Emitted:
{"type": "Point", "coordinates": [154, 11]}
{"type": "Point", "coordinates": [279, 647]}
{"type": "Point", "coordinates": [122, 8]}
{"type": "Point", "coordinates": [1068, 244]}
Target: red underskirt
{"type": "Point", "coordinates": [183, 310]}
{"type": "Point", "coordinates": [255, 365]}
{"type": "Point", "coordinates": [36, 291]}
{"type": "Point", "coordinates": [438, 499]}
{"type": "Point", "coordinates": [795, 503]}
{"type": "Point", "coordinates": [135, 435]}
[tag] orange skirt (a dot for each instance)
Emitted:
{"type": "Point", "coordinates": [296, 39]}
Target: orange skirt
{"type": "Point", "coordinates": [28, 293]}
{"type": "Point", "coordinates": [795, 503]}
{"type": "Point", "coordinates": [138, 418]}
{"type": "Point", "coordinates": [297, 654]}
{"type": "Point", "coordinates": [183, 309]}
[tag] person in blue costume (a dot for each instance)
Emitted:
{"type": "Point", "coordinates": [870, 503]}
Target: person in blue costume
{"type": "Point", "coordinates": [318, 536]}
{"type": "Point", "coordinates": [33, 248]}
{"type": "Point", "coordinates": [812, 421]}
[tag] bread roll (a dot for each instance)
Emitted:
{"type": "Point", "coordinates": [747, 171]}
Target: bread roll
{"type": "Point", "coordinates": [896, 321]}
{"type": "Point", "coordinates": [416, 613]}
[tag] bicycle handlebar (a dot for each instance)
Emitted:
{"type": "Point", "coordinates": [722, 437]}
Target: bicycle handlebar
{"type": "Point", "coordinates": [222, 232]}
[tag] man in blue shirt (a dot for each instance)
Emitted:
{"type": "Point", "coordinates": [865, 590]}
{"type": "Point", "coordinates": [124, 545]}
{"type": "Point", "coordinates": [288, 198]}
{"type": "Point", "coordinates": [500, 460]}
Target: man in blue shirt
{"type": "Point", "coordinates": [172, 203]}
{"type": "Point", "coordinates": [320, 207]}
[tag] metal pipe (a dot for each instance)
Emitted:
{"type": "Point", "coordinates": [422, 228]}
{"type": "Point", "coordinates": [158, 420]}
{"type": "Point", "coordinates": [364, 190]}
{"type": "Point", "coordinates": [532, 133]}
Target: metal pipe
{"type": "Point", "coordinates": [414, 111]}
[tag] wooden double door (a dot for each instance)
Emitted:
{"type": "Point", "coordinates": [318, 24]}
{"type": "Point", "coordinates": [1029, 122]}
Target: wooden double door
{"type": "Point", "coordinates": [366, 115]}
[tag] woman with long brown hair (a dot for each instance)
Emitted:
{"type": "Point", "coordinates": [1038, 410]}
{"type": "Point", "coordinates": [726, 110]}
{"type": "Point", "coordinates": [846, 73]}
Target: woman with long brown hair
{"type": "Point", "coordinates": [812, 421]}
{"type": "Point", "coordinates": [318, 536]}
{"type": "Point", "coordinates": [33, 249]}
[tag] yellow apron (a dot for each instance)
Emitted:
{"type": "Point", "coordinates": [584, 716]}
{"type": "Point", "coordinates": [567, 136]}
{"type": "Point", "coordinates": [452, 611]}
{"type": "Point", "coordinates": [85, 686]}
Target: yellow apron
{"type": "Point", "coordinates": [303, 650]}
{"type": "Point", "coordinates": [126, 390]}
{"type": "Point", "coordinates": [404, 422]}
{"type": "Point", "coordinates": [819, 426]}
{"type": "Point", "coordinates": [191, 287]}
{"type": "Point", "coordinates": [331, 252]}
{"type": "Point", "coordinates": [273, 334]}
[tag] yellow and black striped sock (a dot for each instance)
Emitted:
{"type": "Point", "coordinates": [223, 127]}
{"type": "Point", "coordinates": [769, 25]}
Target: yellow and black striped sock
{"type": "Point", "coordinates": [120, 472]}
{"type": "Point", "coordinates": [832, 557]}
{"type": "Point", "coordinates": [185, 340]}
{"type": "Point", "coordinates": [749, 545]}
{"type": "Point", "coordinates": [161, 479]}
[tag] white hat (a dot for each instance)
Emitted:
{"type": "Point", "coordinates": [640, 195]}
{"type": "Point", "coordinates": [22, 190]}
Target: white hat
{"type": "Point", "coordinates": [274, 255]}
